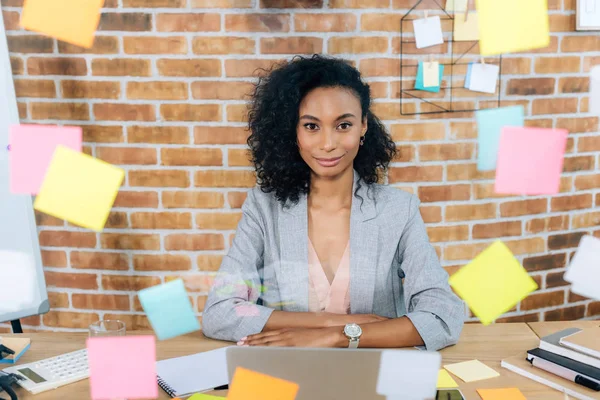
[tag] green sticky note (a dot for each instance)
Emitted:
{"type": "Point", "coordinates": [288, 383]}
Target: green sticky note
{"type": "Point", "coordinates": [202, 396]}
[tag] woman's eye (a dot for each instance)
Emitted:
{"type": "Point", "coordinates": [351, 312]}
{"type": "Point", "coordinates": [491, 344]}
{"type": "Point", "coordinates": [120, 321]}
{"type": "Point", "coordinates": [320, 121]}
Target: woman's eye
{"type": "Point", "coordinates": [310, 127]}
{"type": "Point", "coordinates": [345, 125]}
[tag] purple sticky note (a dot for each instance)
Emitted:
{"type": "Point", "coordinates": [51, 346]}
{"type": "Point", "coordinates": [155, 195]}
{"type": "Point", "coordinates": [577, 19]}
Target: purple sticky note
{"type": "Point", "coordinates": [31, 150]}
{"type": "Point", "coordinates": [122, 367]}
{"type": "Point", "coordinates": [530, 160]}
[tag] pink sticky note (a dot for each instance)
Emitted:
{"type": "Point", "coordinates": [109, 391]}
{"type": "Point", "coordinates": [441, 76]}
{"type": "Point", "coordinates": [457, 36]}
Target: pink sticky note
{"type": "Point", "coordinates": [31, 150]}
{"type": "Point", "coordinates": [247, 310]}
{"type": "Point", "coordinates": [122, 367]}
{"type": "Point", "coordinates": [530, 160]}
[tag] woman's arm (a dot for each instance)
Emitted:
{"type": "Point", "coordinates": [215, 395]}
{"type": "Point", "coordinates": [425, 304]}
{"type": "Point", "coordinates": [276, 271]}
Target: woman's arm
{"type": "Point", "coordinates": [285, 320]}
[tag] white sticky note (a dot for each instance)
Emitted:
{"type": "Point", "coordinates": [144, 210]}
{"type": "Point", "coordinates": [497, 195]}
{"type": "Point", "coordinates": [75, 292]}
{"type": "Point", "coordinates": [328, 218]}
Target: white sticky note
{"type": "Point", "coordinates": [456, 5]}
{"type": "Point", "coordinates": [428, 32]}
{"type": "Point", "coordinates": [431, 74]}
{"type": "Point", "coordinates": [584, 270]}
{"type": "Point", "coordinates": [471, 371]}
{"type": "Point", "coordinates": [418, 379]}
{"type": "Point", "coordinates": [484, 78]}
{"type": "Point", "coordinates": [19, 281]}
{"type": "Point", "coordinates": [595, 90]}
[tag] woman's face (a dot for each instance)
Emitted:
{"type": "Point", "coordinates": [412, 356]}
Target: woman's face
{"type": "Point", "coordinates": [329, 130]}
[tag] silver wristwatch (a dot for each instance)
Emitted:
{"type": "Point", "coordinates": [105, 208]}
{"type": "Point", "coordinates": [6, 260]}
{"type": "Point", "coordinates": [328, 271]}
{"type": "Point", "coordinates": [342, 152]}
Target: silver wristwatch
{"type": "Point", "coordinates": [353, 333]}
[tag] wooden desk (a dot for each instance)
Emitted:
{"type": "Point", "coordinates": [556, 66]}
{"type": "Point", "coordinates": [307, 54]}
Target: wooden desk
{"type": "Point", "coordinates": [489, 344]}
{"type": "Point", "coordinates": [542, 329]}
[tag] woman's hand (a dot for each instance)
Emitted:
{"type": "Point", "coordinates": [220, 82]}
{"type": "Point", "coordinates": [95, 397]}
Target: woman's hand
{"type": "Point", "coordinates": [302, 337]}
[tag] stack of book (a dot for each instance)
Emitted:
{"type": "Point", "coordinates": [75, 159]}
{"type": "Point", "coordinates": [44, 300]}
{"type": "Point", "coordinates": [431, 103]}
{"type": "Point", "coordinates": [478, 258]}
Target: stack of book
{"type": "Point", "coordinates": [568, 361]}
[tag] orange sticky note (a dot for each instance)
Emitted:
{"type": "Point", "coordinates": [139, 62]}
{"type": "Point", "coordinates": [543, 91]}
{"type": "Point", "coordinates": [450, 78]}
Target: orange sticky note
{"type": "Point", "coordinates": [73, 21]}
{"type": "Point", "coordinates": [250, 385]}
{"type": "Point", "coordinates": [501, 394]}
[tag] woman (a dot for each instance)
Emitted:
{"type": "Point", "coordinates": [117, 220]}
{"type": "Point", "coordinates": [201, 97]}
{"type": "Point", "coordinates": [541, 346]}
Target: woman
{"type": "Point", "coordinates": [323, 255]}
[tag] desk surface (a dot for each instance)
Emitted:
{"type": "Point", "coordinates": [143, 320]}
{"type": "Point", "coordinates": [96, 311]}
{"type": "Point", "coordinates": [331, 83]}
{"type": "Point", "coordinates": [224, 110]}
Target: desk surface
{"type": "Point", "coordinates": [489, 344]}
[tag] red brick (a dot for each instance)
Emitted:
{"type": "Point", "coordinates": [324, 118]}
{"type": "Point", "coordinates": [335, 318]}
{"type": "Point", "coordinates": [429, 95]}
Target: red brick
{"type": "Point", "coordinates": [291, 3]}
{"type": "Point", "coordinates": [574, 85]}
{"type": "Point", "coordinates": [158, 134]}
{"type": "Point", "coordinates": [523, 207]}
{"type": "Point", "coordinates": [564, 241]}
{"type": "Point", "coordinates": [545, 262]}
{"type": "Point", "coordinates": [163, 262]}
{"type": "Point", "coordinates": [90, 90]}
{"type": "Point", "coordinates": [186, 22]}
{"type": "Point", "coordinates": [224, 178]}
{"type": "Point", "coordinates": [145, 199]}
{"type": "Point", "coordinates": [72, 320]}
{"type": "Point", "coordinates": [554, 106]}
{"type": "Point", "coordinates": [357, 45]}
{"type": "Point", "coordinates": [159, 178]}
{"type": "Point", "coordinates": [548, 224]}
{"type": "Point", "coordinates": [451, 233]}
{"type": "Point", "coordinates": [99, 260]}
{"type": "Point", "coordinates": [531, 86]}
{"type": "Point", "coordinates": [191, 112]}
{"type": "Point", "coordinates": [444, 193]}
{"type": "Point", "coordinates": [543, 300]}
{"type": "Point", "coordinates": [223, 45]}
{"type": "Point", "coordinates": [432, 173]}
{"type": "Point", "coordinates": [155, 45]}
{"type": "Point", "coordinates": [325, 22]}
{"type": "Point", "coordinates": [71, 280]}
{"type": "Point", "coordinates": [67, 239]}
{"type": "Point", "coordinates": [121, 67]}
{"type": "Point", "coordinates": [29, 44]}
{"type": "Point", "coordinates": [567, 203]}
{"type": "Point", "coordinates": [578, 125]}
{"type": "Point", "coordinates": [192, 199]}
{"type": "Point", "coordinates": [54, 258]}
{"type": "Point", "coordinates": [194, 242]}
{"type": "Point", "coordinates": [157, 90]}
{"type": "Point", "coordinates": [137, 241]}
{"type": "Point", "coordinates": [291, 45]}
{"type": "Point", "coordinates": [35, 88]}
{"type": "Point", "coordinates": [60, 111]}
{"type": "Point", "coordinates": [161, 220]}
{"type": "Point", "coordinates": [102, 45]}
{"type": "Point", "coordinates": [499, 229]}
{"type": "Point", "coordinates": [128, 282]}
{"type": "Point", "coordinates": [219, 90]}
{"type": "Point", "coordinates": [565, 314]}
{"type": "Point", "coordinates": [124, 112]}
{"type": "Point", "coordinates": [100, 301]}
{"type": "Point", "coordinates": [579, 44]}
{"type": "Point", "coordinates": [129, 22]}
{"type": "Point", "coordinates": [257, 22]}
{"type": "Point", "coordinates": [218, 221]}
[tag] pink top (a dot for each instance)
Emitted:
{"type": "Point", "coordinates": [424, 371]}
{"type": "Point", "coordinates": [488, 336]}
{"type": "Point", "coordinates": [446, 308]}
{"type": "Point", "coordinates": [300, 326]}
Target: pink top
{"type": "Point", "coordinates": [327, 292]}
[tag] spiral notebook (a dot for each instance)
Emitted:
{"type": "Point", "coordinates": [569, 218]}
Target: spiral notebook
{"type": "Point", "coordinates": [182, 376]}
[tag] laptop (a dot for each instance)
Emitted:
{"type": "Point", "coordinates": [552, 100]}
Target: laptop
{"type": "Point", "coordinates": [324, 374]}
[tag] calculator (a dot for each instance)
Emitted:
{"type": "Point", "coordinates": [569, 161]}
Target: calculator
{"type": "Point", "coordinates": [53, 372]}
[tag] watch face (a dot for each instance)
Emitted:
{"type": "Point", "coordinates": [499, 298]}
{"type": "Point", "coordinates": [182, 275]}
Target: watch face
{"type": "Point", "coordinates": [352, 330]}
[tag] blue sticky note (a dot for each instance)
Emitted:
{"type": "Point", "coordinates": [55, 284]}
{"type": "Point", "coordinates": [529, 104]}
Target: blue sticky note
{"type": "Point", "coordinates": [489, 128]}
{"type": "Point", "coordinates": [169, 309]}
{"type": "Point", "coordinates": [468, 77]}
{"type": "Point", "coordinates": [419, 80]}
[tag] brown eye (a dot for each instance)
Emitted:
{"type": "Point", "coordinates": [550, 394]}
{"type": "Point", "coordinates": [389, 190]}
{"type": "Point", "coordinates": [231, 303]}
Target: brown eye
{"type": "Point", "coordinates": [310, 126]}
{"type": "Point", "coordinates": [345, 125]}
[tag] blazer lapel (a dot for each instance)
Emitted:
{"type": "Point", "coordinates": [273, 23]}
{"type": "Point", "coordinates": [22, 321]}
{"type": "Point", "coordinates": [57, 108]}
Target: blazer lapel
{"type": "Point", "coordinates": [364, 241]}
{"type": "Point", "coordinates": [293, 242]}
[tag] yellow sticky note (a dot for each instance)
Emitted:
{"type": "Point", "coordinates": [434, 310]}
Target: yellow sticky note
{"type": "Point", "coordinates": [471, 371]}
{"type": "Point", "coordinates": [431, 74]}
{"type": "Point", "coordinates": [202, 396]}
{"type": "Point", "coordinates": [492, 283]}
{"type": "Point", "coordinates": [501, 394]}
{"type": "Point", "coordinates": [456, 5]}
{"type": "Point", "coordinates": [512, 25]}
{"type": "Point", "coordinates": [73, 21]}
{"type": "Point", "coordinates": [466, 27]}
{"type": "Point", "coordinates": [79, 188]}
{"type": "Point", "coordinates": [250, 385]}
{"type": "Point", "coordinates": [445, 380]}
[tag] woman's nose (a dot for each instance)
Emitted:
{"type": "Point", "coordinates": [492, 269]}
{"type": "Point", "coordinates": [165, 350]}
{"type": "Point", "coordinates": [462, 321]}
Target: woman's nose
{"type": "Point", "coordinates": [328, 141]}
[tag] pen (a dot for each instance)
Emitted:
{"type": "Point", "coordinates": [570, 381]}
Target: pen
{"type": "Point", "coordinates": [565, 373]}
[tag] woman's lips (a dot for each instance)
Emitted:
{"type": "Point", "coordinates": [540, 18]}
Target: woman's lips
{"type": "Point", "coordinates": [329, 162]}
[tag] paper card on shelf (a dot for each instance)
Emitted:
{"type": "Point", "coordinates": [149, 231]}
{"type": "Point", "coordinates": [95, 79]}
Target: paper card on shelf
{"type": "Point", "coordinates": [72, 21]}
{"type": "Point", "coordinates": [492, 283]}
{"type": "Point", "coordinates": [415, 383]}
{"type": "Point", "coordinates": [466, 29]}
{"type": "Point", "coordinates": [501, 394]}
{"type": "Point", "coordinates": [468, 76]}
{"type": "Point", "coordinates": [169, 309]}
{"type": "Point", "coordinates": [530, 160]}
{"type": "Point", "coordinates": [122, 367]}
{"type": "Point", "coordinates": [489, 128]}
{"type": "Point", "coordinates": [471, 371]}
{"type": "Point", "coordinates": [31, 150]}
{"type": "Point", "coordinates": [431, 74]}
{"type": "Point", "coordinates": [79, 188]}
{"type": "Point", "coordinates": [456, 5]}
{"type": "Point", "coordinates": [445, 380]}
{"type": "Point", "coordinates": [250, 385]}
{"type": "Point", "coordinates": [484, 78]}
{"type": "Point", "coordinates": [19, 281]}
{"type": "Point", "coordinates": [584, 270]}
{"type": "Point", "coordinates": [428, 32]}
{"type": "Point", "coordinates": [202, 396]}
{"type": "Point", "coordinates": [510, 26]}
{"type": "Point", "coordinates": [419, 84]}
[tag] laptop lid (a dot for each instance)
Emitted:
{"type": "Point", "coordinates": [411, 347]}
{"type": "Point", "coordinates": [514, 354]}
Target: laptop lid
{"type": "Point", "coordinates": [324, 374]}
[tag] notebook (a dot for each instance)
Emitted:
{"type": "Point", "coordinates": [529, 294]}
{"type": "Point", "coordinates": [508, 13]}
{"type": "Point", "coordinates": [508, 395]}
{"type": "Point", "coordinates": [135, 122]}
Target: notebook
{"type": "Point", "coordinates": [586, 341]}
{"type": "Point", "coordinates": [201, 372]}
{"type": "Point", "coordinates": [552, 344]}
{"type": "Point", "coordinates": [18, 345]}
{"type": "Point", "coordinates": [521, 366]}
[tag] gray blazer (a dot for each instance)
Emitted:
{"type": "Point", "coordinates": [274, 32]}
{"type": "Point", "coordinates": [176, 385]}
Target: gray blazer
{"type": "Point", "coordinates": [392, 266]}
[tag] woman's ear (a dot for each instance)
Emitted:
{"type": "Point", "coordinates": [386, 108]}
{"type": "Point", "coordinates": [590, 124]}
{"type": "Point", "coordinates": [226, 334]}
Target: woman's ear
{"type": "Point", "coordinates": [364, 126]}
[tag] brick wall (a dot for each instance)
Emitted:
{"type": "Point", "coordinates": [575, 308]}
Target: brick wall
{"type": "Point", "coordinates": [161, 94]}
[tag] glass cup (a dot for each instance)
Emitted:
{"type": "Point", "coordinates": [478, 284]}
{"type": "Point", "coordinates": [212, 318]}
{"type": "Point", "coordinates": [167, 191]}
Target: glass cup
{"type": "Point", "coordinates": [109, 327]}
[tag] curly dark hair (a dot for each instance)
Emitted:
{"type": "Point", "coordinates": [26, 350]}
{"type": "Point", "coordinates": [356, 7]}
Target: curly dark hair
{"type": "Point", "coordinates": [273, 117]}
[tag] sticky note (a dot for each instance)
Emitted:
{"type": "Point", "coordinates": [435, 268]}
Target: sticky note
{"type": "Point", "coordinates": [419, 84]}
{"type": "Point", "coordinates": [510, 26]}
{"type": "Point", "coordinates": [471, 371]}
{"type": "Point", "coordinates": [489, 128]}
{"type": "Point", "coordinates": [431, 74]}
{"type": "Point", "coordinates": [466, 29]}
{"type": "Point", "coordinates": [169, 309]}
{"type": "Point", "coordinates": [530, 160]}
{"type": "Point", "coordinates": [445, 380]}
{"type": "Point", "coordinates": [501, 394]}
{"type": "Point", "coordinates": [456, 5]}
{"type": "Point", "coordinates": [122, 367]}
{"type": "Point", "coordinates": [250, 385]}
{"type": "Point", "coordinates": [484, 78]}
{"type": "Point", "coordinates": [79, 189]}
{"type": "Point", "coordinates": [468, 76]}
{"type": "Point", "coordinates": [428, 32]}
{"type": "Point", "coordinates": [416, 382]}
{"type": "Point", "coordinates": [202, 396]}
{"type": "Point", "coordinates": [72, 21]}
{"type": "Point", "coordinates": [247, 310]}
{"type": "Point", "coordinates": [583, 271]}
{"type": "Point", "coordinates": [492, 283]}
{"type": "Point", "coordinates": [19, 282]}
{"type": "Point", "coordinates": [31, 150]}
